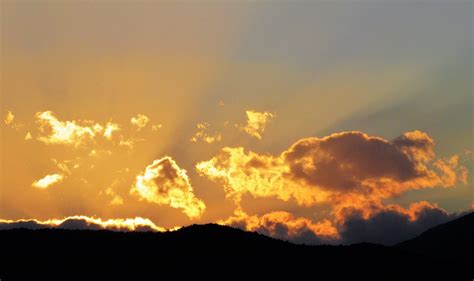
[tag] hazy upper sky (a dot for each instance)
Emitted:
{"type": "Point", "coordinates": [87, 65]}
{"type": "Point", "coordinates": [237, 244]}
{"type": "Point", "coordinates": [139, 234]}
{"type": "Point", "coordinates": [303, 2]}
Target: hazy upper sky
{"type": "Point", "coordinates": [187, 79]}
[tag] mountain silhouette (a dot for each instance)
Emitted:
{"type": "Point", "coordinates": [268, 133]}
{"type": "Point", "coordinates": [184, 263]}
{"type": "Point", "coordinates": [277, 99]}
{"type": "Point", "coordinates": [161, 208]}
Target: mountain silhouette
{"type": "Point", "coordinates": [206, 250]}
{"type": "Point", "coordinates": [454, 240]}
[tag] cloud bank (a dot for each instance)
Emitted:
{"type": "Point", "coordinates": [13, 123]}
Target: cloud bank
{"type": "Point", "coordinates": [84, 223]}
{"type": "Point", "coordinates": [352, 173]}
{"type": "Point", "coordinates": [343, 169]}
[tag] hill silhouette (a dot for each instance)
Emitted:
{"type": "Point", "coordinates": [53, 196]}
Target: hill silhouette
{"type": "Point", "coordinates": [204, 250]}
{"type": "Point", "coordinates": [454, 240]}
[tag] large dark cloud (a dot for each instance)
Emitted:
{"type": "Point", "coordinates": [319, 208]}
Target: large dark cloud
{"type": "Point", "coordinates": [343, 161]}
{"type": "Point", "coordinates": [391, 226]}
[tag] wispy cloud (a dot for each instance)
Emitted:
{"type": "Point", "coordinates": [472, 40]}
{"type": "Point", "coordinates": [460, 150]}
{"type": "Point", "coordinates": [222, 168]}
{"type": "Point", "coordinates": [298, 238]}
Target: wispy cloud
{"type": "Point", "coordinates": [256, 123]}
{"type": "Point", "coordinates": [140, 121]}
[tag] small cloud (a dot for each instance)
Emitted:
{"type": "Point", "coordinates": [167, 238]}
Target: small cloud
{"type": "Point", "coordinates": [163, 182]}
{"type": "Point", "coordinates": [47, 181]}
{"type": "Point", "coordinates": [140, 121]}
{"type": "Point", "coordinates": [127, 143]}
{"type": "Point", "coordinates": [100, 152]}
{"type": "Point", "coordinates": [116, 199]}
{"type": "Point", "coordinates": [203, 134]}
{"type": "Point", "coordinates": [9, 117]}
{"type": "Point", "coordinates": [256, 123]}
{"type": "Point", "coordinates": [28, 136]}
{"type": "Point", "coordinates": [156, 127]}
{"type": "Point", "coordinates": [63, 166]}
{"type": "Point", "coordinates": [54, 131]}
{"type": "Point", "coordinates": [109, 129]}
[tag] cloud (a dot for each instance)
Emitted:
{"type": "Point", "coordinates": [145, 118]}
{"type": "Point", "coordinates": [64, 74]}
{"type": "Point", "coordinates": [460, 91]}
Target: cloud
{"type": "Point", "coordinates": [285, 226]}
{"type": "Point", "coordinates": [263, 176]}
{"type": "Point", "coordinates": [391, 224]}
{"type": "Point", "coordinates": [9, 117]}
{"type": "Point", "coordinates": [48, 181]}
{"type": "Point", "coordinates": [256, 123]}
{"type": "Point", "coordinates": [386, 225]}
{"type": "Point", "coordinates": [343, 169]}
{"type": "Point", "coordinates": [140, 121]}
{"type": "Point", "coordinates": [203, 134]}
{"type": "Point", "coordinates": [9, 121]}
{"type": "Point", "coordinates": [110, 128]}
{"type": "Point", "coordinates": [84, 223]}
{"type": "Point", "coordinates": [28, 136]}
{"type": "Point", "coordinates": [54, 131]}
{"type": "Point", "coordinates": [156, 127]}
{"type": "Point", "coordinates": [163, 182]}
{"type": "Point", "coordinates": [116, 199]}
{"type": "Point", "coordinates": [129, 143]}
{"type": "Point", "coordinates": [66, 166]}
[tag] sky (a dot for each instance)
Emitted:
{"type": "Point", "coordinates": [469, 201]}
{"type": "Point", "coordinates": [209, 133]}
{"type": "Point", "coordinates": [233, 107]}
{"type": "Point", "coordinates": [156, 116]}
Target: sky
{"type": "Point", "coordinates": [320, 122]}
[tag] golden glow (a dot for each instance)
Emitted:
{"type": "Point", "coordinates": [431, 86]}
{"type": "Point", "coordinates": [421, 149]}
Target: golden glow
{"type": "Point", "coordinates": [163, 182]}
{"type": "Point", "coordinates": [47, 181]}
{"type": "Point", "coordinates": [109, 103]}
{"type": "Point", "coordinates": [256, 123]}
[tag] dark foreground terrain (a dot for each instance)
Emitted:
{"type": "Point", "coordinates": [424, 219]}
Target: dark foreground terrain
{"type": "Point", "coordinates": [442, 253]}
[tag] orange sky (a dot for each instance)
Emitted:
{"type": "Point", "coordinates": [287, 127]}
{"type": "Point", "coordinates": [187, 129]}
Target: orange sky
{"type": "Point", "coordinates": [113, 111]}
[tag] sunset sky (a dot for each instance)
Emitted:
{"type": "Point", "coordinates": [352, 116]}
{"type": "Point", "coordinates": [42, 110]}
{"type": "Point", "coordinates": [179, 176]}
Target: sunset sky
{"type": "Point", "coordinates": [306, 117]}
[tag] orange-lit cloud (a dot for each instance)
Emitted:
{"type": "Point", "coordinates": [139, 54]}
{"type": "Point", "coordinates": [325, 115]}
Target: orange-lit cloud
{"type": "Point", "coordinates": [28, 136]}
{"type": "Point", "coordinates": [384, 224]}
{"type": "Point", "coordinates": [256, 123]}
{"type": "Point", "coordinates": [9, 117]}
{"type": "Point", "coordinates": [285, 226]}
{"type": "Point", "coordinates": [47, 181]}
{"type": "Point", "coordinates": [343, 168]}
{"type": "Point", "coordinates": [54, 131]}
{"type": "Point", "coordinates": [84, 222]}
{"type": "Point", "coordinates": [244, 172]}
{"type": "Point", "coordinates": [203, 134]}
{"type": "Point", "coordinates": [110, 128]}
{"type": "Point", "coordinates": [163, 182]}
{"type": "Point", "coordinates": [140, 121]}
{"type": "Point", "coordinates": [156, 127]}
